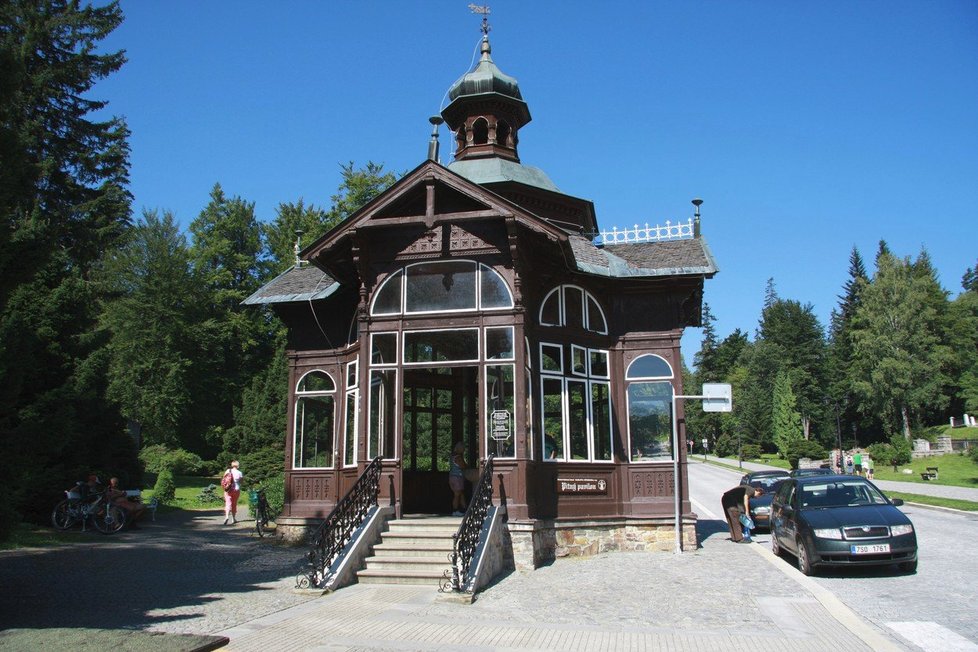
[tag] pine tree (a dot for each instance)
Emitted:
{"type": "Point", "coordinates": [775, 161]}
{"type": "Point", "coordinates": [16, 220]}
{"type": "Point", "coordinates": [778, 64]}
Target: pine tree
{"type": "Point", "coordinates": [786, 423]}
{"type": "Point", "coordinates": [63, 204]}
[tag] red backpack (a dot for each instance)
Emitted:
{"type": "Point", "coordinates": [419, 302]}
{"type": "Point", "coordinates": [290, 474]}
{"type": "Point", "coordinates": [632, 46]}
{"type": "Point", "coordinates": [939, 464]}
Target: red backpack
{"type": "Point", "coordinates": [227, 481]}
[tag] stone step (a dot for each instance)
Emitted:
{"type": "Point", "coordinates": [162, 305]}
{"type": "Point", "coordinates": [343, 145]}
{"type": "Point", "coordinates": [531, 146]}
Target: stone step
{"type": "Point", "coordinates": [426, 578]}
{"type": "Point", "coordinates": [398, 549]}
{"type": "Point", "coordinates": [440, 526]}
{"type": "Point", "coordinates": [418, 539]}
{"type": "Point", "coordinates": [410, 564]}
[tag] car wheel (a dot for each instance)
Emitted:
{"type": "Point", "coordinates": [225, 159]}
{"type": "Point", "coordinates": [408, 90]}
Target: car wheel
{"type": "Point", "coordinates": [775, 546]}
{"type": "Point", "coordinates": [909, 566]}
{"type": "Point", "coordinates": [805, 558]}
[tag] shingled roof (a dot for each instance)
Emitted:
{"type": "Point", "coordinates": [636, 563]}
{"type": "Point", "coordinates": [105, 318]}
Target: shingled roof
{"type": "Point", "coordinates": [690, 256]}
{"type": "Point", "coordinates": [304, 283]}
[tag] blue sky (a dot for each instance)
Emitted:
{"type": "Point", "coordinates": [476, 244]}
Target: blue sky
{"type": "Point", "coordinates": [806, 128]}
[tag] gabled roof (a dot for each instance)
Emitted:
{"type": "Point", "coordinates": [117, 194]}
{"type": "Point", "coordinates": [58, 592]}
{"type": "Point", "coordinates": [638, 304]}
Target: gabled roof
{"type": "Point", "coordinates": [404, 202]}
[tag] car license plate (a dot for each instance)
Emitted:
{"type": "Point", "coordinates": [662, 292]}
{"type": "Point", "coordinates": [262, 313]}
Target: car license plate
{"type": "Point", "coordinates": [873, 549]}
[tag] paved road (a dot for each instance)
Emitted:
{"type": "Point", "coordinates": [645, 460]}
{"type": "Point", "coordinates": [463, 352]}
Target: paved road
{"type": "Point", "coordinates": [930, 610]}
{"type": "Point", "coordinates": [922, 488]}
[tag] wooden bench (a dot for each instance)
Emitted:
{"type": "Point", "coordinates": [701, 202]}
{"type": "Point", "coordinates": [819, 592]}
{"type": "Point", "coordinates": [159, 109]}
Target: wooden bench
{"type": "Point", "coordinates": [930, 473]}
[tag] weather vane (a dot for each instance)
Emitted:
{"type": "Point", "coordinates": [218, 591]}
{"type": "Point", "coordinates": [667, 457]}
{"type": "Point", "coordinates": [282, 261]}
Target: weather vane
{"type": "Point", "coordinates": [485, 11]}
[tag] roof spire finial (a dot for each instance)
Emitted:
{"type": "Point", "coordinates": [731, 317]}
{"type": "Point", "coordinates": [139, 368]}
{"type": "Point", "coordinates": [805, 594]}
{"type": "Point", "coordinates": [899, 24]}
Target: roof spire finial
{"type": "Point", "coordinates": [485, 11]}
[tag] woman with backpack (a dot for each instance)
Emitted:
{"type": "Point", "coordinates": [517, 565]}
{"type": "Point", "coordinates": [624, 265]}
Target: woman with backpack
{"type": "Point", "coordinates": [231, 484]}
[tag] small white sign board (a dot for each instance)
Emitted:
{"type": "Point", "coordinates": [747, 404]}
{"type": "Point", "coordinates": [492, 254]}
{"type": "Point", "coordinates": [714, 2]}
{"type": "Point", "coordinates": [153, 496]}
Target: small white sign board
{"type": "Point", "coordinates": [718, 397]}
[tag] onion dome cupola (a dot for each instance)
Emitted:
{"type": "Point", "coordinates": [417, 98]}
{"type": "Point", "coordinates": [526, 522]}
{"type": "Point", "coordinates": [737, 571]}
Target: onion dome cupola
{"type": "Point", "coordinates": [486, 111]}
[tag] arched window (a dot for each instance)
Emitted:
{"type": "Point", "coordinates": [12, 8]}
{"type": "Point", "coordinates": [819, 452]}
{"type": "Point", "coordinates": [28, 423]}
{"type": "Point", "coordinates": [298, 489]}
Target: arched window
{"type": "Point", "coordinates": [650, 416]}
{"type": "Point", "coordinates": [480, 132]}
{"type": "Point", "coordinates": [315, 415]}
{"type": "Point", "coordinates": [572, 306]}
{"type": "Point", "coordinates": [442, 286]}
{"type": "Point", "coordinates": [502, 133]}
{"type": "Point", "coordinates": [648, 366]}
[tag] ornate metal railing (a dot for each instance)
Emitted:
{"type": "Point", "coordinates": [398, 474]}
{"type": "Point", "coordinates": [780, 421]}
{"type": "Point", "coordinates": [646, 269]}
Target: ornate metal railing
{"type": "Point", "coordinates": [656, 233]}
{"type": "Point", "coordinates": [467, 538]}
{"type": "Point", "coordinates": [336, 531]}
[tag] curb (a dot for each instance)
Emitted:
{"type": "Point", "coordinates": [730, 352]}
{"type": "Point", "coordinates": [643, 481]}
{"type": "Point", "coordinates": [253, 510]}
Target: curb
{"type": "Point", "coordinates": [836, 608]}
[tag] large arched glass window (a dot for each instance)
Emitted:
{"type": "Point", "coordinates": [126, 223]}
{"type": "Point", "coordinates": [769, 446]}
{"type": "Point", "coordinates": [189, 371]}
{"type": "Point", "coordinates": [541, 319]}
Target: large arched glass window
{"type": "Point", "coordinates": [442, 286]}
{"type": "Point", "coordinates": [649, 409]}
{"type": "Point", "coordinates": [572, 306]}
{"type": "Point", "coordinates": [315, 415]}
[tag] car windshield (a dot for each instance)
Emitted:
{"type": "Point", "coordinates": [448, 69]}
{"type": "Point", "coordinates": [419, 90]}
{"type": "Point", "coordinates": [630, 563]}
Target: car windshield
{"type": "Point", "coordinates": [768, 483]}
{"type": "Point", "coordinates": [842, 493]}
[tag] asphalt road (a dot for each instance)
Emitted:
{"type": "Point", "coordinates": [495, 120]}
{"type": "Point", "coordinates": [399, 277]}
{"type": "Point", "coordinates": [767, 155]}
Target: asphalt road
{"type": "Point", "coordinates": [930, 610]}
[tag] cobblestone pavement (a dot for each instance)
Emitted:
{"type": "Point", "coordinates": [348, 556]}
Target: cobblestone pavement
{"type": "Point", "coordinates": [720, 597]}
{"type": "Point", "coordinates": [189, 574]}
{"type": "Point", "coordinates": [186, 573]}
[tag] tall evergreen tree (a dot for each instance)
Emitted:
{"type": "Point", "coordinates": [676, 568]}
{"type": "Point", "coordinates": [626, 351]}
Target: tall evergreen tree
{"type": "Point", "coordinates": [227, 255]}
{"type": "Point", "coordinates": [281, 234]}
{"type": "Point", "coordinates": [63, 204]}
{"type": "Point", "coordinates": [969, 280]}
{"type": "Point", "coordinates": [153, 317]}
{"type": "Point", "coordinates": [839, 352]}
{"type": "Point", "coordinates": [786, 424]}
{"type": "Point", "coordinates": [797, 336]}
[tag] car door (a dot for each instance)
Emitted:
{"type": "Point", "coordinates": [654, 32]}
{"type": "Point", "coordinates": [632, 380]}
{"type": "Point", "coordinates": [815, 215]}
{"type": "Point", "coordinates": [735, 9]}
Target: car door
{"type": "Point", "coordinates": [783, 509]}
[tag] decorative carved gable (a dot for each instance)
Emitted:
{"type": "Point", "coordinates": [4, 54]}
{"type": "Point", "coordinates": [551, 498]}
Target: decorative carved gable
{"type": "Point", "coordinates": [446, 240]}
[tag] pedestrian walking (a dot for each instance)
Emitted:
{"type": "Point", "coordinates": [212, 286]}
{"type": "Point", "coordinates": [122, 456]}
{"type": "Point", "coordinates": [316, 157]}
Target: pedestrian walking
{"type": "Point", "coordinates": [231, 484]}
{"type": "Point", "coordinates": [735, 502]}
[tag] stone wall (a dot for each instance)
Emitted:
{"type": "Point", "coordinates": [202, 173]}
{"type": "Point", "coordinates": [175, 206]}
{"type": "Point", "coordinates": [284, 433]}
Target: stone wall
{"type": "Point", "coordinates": [537, 543]}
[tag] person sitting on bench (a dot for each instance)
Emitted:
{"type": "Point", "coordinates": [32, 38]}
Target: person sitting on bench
{"type": "Point", "coordinates": [119, 498]}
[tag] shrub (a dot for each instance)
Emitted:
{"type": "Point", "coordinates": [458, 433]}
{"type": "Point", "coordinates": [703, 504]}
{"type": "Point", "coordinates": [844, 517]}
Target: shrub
{"type": "Point", "coordinates": [261, 465]}
{"type": "Point", "coordinates": [803, 448]}
{"type": "Point", "coordinates": [896, 452]}
{"type": "Point", "coordinates": [165, 488]}
{"type": "Point", "coordinates": [973, 454]}
{"type": "Point", "coordinates": [750, 452]}
{"type": "Point", "coordinates": [274, 487]}
{"type": "Point", "coordinates": [158, 457]}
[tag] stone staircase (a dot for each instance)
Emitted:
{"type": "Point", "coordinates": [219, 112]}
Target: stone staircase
{"type": "Point", "coordinates": [413, 550]}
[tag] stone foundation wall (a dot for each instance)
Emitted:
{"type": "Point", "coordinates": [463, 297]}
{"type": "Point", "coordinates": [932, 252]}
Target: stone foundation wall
{"type": "Point", "coordinates": [539, 542]}
{"type": "Point", "coordinates": [295, 531]}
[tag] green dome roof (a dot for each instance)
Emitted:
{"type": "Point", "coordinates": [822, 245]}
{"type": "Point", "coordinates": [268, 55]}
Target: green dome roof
{"type": "Point", "coordinates": [485, 78]}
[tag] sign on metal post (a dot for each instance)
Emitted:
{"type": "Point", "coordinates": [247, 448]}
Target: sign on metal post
{"type": "Point", "coordinates": [717, 397]}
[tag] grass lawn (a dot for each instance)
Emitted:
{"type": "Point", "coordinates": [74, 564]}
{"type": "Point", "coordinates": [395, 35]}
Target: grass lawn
{"type": "Point", "coordinates": [188, 488]}
{"type": "Point", "coordinates": [965, 505]}
{"type": "Point", "coordinates": [771, 459]}
{"type": "Point", "coordinates": [955, 470]}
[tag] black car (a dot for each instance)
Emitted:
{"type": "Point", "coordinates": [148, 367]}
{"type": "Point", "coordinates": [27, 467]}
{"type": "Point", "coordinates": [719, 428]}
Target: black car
{"type": "Point", "coordinates": [760, 506]}
{"type": "Point", "coordinates": [804, 473]}
{"type": "Point", "coordinates": [841, 520]}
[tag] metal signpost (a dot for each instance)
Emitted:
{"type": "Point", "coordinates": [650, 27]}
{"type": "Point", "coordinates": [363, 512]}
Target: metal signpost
{"type": "Point", "coordinates": [716, 397]}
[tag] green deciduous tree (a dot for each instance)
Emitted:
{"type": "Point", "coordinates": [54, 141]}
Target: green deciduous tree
{"type": "Point", "coordinates": [900, 360]}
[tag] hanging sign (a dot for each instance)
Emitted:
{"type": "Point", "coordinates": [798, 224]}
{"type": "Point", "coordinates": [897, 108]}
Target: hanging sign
{"type": "Point", "coordinates": [500, 426]}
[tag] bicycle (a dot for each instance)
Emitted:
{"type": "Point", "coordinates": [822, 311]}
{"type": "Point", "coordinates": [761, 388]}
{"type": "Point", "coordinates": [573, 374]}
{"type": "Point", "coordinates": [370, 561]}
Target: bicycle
{"type": "Point", "coordinates": [261, 514]}
{"type": "Point", "coordinates": [75, 508]}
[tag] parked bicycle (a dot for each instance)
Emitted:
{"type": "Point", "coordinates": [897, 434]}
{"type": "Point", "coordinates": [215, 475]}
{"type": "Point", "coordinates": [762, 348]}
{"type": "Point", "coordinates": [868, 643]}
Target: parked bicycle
{"type": "Point", "coordinates": [95, 507]}
{"type": "Point", "coordinates": [261, 512]}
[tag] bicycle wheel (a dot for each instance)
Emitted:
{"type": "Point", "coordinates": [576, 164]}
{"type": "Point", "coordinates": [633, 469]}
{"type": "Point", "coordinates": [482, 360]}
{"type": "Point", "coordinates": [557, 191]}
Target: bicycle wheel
{"type": "Point", "coordinates": [109, 519]}
{"type": "Point", "coordinates": [261, 520]}
{"type": "Point", "coordinates": [64, 516]}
